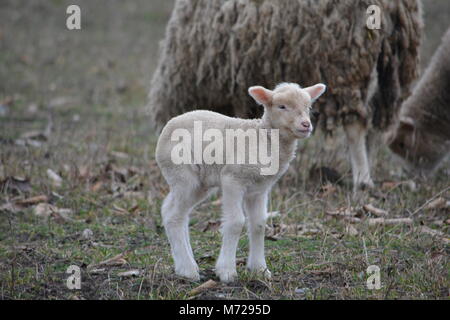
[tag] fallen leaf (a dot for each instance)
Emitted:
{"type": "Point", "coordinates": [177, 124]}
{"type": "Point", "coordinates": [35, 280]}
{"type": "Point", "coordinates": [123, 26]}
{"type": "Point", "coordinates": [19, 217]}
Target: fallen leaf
{"type": "Point", "coordinates": [32, 108]}
{"type": "Point", "coordinates": [217, 202]}
{"type": "Point", "coordinates": [32, 200]}
{"type": "Point", "coordinates": [275, 232]}
{"type": "Point", "coordinates": [384, 221]}
{"type": "Point", "coordinates": [329, 270]}
{"type": "Point", "coordinates": [120, 173]}
{"type": "Point", "coordinates": [55, 178]}
{"type": "Point", "coordinates": [120, 210]}
{"type": "Point", "coordinates": [438, 203]}
{"type": "Point", "coordinates": [120, 155]}
{"type": "Point", "coordinates": [63, 215]}
{"type": "Point", "coordinates": [134, 195]}
{"type": "Point", "coordinates": [44, 210]}
{"type": "Point", "coordinates": [351, 230]}
{"type": "Point", "coordinates": [83, 172]}
{"type": "Point", "coordinates": [34, 135]}
{"type": "Point", "coordinates": [97, 271]}
{"type": "Point", "coordinates": [375, 211]}
{"type": "Point", "coordinates": [273, 214]}
{"type": "Point", "coordinates": [435, 233]}
{"type": "Point", "coordinates": [134, 209]}
{"type": "Point", "coordinates": [28, 142]}
{"type": "Point", "coordinates": [117, 260]}
{"type": "Point", "coordinates": [411, 185]}
{"type": "Point", "coordinates": [130, 273]}
{"type": "Point", "coordinates": [301, 290]}
{"type": "Point", "coordinates": [59, 102]}
{"type": "Point", "coordinates": [97, 186]}
{"type": "Point", "coordinates": [305, 229]}
{"type": "Point", "coordinates": [389, 185]}
{"type": "Point", "coordinates": [11, 207]}
{"type": "Point", "coordinates": [343, 212]}
{"type": "Point", "coordinates": [210, 284]}
{"type": "Point", "coordinates": [212, 226]}
{"type": "Point", "coordinates": [87, 234]}
{"type": "Point", "coordinates": [274, 237]}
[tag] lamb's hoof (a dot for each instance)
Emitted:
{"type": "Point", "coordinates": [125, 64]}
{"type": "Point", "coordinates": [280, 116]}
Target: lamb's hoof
{"type": "Point", "coordinates": [364, 186]}
{"type": "Point", "coordinates": [227, 275]}
{"type": "Point", "coordinates": [188, 273]}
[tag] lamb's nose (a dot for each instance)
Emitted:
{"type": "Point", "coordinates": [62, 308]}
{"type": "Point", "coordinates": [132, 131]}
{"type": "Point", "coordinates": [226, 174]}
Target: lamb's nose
{"type": "Point", "coordinates": [306, 124]}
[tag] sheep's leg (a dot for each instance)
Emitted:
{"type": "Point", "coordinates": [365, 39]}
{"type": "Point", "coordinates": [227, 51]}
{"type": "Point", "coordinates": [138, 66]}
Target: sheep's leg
{"type": "Point", "coordinates": [232, 222]}
{"type": "Point", "coordinates": [356, 136]}
{"type": "Point", "coordinates": [256, 210]}
{"type": "Point", "coordinates": [175, 213]}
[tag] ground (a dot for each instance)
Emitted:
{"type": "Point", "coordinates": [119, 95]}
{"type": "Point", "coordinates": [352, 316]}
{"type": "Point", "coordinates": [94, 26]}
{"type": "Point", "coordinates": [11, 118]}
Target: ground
{"type": "Point", "coordinates": [79, 184]}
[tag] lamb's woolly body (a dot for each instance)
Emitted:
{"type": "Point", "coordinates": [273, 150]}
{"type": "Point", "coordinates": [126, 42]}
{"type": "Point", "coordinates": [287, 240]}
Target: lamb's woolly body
{"type": "Point", "coordinates": [246, 174]}
{"type": "Point", "coordinates": [214, 48]}
{"type": "Point", "coordinates": [423, 133]}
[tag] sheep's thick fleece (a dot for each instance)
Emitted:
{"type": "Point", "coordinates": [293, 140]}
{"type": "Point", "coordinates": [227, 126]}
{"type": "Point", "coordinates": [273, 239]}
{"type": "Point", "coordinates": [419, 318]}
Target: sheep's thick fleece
{"type": "Point", "coordinates": [214, 48]}
{"type": "Point", "coordinates": [422, 135]}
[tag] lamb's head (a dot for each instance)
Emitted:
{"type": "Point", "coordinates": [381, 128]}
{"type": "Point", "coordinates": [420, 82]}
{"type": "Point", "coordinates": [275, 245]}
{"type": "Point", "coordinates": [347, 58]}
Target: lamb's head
{"type": "Point", "coordinates": [288, 106]}
{"type": "Point", "coordinates": [421, 150]}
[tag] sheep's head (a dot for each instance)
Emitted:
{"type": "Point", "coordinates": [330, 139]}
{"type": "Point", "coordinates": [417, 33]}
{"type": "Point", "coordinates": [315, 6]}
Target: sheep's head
{"type": "Point", "coordinates": [288, 106]}
{"type": "Point", "coordinates": [421, 149]}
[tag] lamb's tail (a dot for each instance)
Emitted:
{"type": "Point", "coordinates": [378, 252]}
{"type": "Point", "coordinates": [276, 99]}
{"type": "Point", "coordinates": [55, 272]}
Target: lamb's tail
{"type": "Point", "coordinates": [398, 62]}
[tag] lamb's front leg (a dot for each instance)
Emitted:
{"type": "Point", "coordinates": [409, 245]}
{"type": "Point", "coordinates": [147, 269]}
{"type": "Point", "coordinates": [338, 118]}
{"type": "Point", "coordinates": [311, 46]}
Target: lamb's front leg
{"type": "Point", "coordinates": [232, 222]}
{"type": "Point", "coordinates": [256, 208]}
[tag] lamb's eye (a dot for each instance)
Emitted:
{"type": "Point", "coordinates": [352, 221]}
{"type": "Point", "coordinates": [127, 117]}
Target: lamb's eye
{"type": "Point", "coordinates": [282, 107]}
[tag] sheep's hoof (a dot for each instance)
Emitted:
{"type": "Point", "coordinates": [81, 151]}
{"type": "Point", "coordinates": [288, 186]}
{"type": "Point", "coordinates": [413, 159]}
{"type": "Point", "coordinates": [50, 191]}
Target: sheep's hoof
{"type": "Point", "coordinates": [227, 275]}
{"type": "Point", "coordinates": [188, 273]}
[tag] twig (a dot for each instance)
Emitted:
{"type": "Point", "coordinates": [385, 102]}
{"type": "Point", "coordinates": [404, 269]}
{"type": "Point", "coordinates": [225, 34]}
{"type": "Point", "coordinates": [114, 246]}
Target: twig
{"type": "Point", "coordinates": [365, 250]}
{"type": "Point", "coordinates": [429, 200]}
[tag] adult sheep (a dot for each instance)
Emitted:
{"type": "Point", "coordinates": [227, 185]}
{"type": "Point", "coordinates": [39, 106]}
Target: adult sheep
{"type": "Point", "coordinates": [214, 48]}
{"type": "Point", "coordinates": [422, 136]}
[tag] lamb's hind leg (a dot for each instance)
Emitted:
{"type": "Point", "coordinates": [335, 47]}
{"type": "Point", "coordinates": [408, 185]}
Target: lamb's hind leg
{"type": "Point", "coordinates": [175, 213]}
{"type": "Point", "coordinates": [233, 220]}
{"type": "Point", "coordinates": [256, 209]}
{"type": "Point", "coordinates": [356, 137]}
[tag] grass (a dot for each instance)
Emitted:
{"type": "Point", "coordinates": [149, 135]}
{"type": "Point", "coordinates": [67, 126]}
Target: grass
{"type": "Point", "coordinates": [98, 140]}
{"type": "Point", "coordinates": [313, 257]}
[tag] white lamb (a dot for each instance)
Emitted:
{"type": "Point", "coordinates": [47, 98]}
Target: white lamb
{"type": "Point", "coordinates": [244, 188]}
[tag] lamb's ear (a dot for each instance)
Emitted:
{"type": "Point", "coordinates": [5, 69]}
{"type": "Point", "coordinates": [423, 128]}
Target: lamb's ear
{"type": "Point", "coordinates": [316, 91]}
{"type": "Point", "coordinates": [261, 95]}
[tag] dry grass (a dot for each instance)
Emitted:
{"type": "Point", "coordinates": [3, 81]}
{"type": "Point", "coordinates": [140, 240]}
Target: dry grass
{"type": "Point", "coordinates": [87, 111]}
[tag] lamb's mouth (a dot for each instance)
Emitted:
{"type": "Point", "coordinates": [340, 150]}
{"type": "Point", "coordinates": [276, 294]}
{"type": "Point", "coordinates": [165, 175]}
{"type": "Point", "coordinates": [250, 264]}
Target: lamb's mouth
{"type": "Point", "coordinates": [301, 134]}
{"type": "Point", "coordinates": [303, 131]}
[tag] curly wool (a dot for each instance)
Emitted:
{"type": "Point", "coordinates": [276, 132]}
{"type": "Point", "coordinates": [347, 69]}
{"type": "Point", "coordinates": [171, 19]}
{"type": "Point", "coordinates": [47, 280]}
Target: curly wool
{"type": "Point", "coordinates": [214, 50]}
